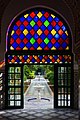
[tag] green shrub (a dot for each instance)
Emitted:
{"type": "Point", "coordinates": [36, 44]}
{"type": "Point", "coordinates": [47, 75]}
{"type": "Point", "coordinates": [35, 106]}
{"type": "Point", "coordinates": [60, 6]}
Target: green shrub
{"type": "Point", "coordinates": [50, 76]}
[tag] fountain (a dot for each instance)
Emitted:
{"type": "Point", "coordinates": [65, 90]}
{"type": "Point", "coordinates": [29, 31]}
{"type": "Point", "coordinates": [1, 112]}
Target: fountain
{"type": "Point", "coordinates": [39, 89]}
{"type": "Point", "coordinates": [38, 95]}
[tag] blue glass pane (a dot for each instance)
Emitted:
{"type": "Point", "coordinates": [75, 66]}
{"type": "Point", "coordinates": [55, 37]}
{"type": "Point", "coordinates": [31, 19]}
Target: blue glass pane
{"type": "Point", "coordinates": [28, 45]}
{"type": "Point", "coordinates": [22, 36]}
{"type": "Point", "coordinates": [50, 19]}
{"type": "Point", "coordinates": [21, 45]}
{"type": "Point", "coordinates": [40, 57]}
{"type": "Point", "coordinates": [28, 36]}
{"type": "Point", "coordinates": [56, 19]}
{"type": "Point", "coordinates": [33, 60]}
{"type": "Point", "coordinates": [29, 27]}
{"type": "Point", "coordinates": [15, 36]}
{"type": "Point", "coordinates": [15, 27]}
{"type": "Point", "coordinates": [10, 57]}
{"type": "Point", "coordinates": [36, 45]}
{"type": "Point", "coordinates": [22, 19]}
{"type": "Point", "coordinates": [49, 27]}
{"type": "Point", "coordinates": [36, 19]}
{"type": "Point", "coordinates": [17, 60]}
{"type": "Point", "coordinates": [36, 27]}
{"type": "Point", "coordinates": [64, 45]}
{"type": "Point", "coordinates": [48, 60]}
{"type": "Point", "coordinates": [14, 45]}
{"type": "Point", "coordinates": [36, 36]}
{"type": "Point", "coordinates": [57, 36]}
{"type": "Point", "coordinates": [25, 57]}
{"type": "Point", "coordinates": [21, 27]}
{"type": "Point", "coordinates": [55, 57]}
{"type": "Point", "coordinates": [64, 36]}
{"type": "Point", "coordinates": [43, 19]}
{"type": "Point", "coordinates": [42, 44]}
{"type": "Point", "coordinates": [28, 18]}
{"type": "Point", "coordinates": [57, 45]}
{"type": "Point", "coordinates": [43, 36]}
{"type": "Point", "coordinates": [43, 27]}
{"type": "Point", "coordinates": [50, 45]}
{"type": "Point", "coordinates": [63, 28]}
{"type": "Point", "coordinates": [50, 36]}
{"type": "Point", "coordinates": [57, 27]}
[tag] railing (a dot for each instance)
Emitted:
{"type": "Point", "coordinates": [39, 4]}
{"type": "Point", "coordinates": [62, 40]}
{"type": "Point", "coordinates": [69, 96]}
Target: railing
{"type": "Point", "coordinates": [2, 90]}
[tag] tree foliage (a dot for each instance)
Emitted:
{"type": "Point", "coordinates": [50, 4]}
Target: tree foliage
{"type": "Point", "coordinates": [30, 71]}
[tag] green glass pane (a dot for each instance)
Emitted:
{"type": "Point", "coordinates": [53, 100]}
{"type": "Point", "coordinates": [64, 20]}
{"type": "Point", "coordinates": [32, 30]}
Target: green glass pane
{"type": "Point", "coordinates": [46, 40]}
{"type": "Point", "coordinates": [11, 82]}
{"type": "Point", "coordinates": [69, 76]}
{"type": "Point", "coordinates": [17, 76]}
{"type": "Point", "coordinates": [17, 97]}
{"type": "Point", "coordinates": [11, 97]}
{"type": "Point", "coordinates": [32, 40]}
{"type": "Point", "coordinates": [62, 69]}
{"type": "Point", "coordinates": [59, 76]}
{"type": "Point", "coordinates": [17, 82]}
{"type": "Point", "coordinates": [11, 91]}
{"type": "Point", "coordinates": [11, 103]}
{"type": "Point", "coordinates": [59, 70]}
{"type": "Point", "coordinates": [11, 70]}
{"type": "Point", "coordinates": [17, 70]}
{"type": "Point", "coordinates": [17, 103]}
{"type": "Point", "coordinates": [46, 23]}
{"type": "Point", "coordinates": [32, 23]}
{"type": "Point", "coordinates": [17, 90]}
{"type": "Point", "coordinates": [69, 69]}
{"type": "Point", "coordinates": [10, 76]}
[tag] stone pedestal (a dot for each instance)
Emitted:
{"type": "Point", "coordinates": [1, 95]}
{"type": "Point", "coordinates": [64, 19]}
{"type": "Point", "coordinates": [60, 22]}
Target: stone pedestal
{"type": "Point", "coordinates": [76, 86]}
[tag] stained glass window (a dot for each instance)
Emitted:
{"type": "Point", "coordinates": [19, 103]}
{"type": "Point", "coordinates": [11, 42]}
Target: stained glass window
{"type": "Point", "coordinates": [30, 59]}
{"type": "Point", "coordinates": [38, 30]}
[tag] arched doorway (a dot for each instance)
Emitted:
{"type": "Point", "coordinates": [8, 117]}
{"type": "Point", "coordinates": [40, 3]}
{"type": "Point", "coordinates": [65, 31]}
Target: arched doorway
{"type": "Point", "coordinates": [39, 36]}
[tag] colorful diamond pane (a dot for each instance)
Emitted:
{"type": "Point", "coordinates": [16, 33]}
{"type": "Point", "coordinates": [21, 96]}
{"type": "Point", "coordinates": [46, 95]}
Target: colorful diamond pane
{"type": "Point", "coordinates": [39, 30]}
{"type": "Point", "coordinates": [39, 59]}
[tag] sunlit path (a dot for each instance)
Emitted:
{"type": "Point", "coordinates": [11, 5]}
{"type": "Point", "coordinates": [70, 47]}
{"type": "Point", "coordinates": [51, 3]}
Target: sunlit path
{"type": "Point", "coordinates": [38, 95]}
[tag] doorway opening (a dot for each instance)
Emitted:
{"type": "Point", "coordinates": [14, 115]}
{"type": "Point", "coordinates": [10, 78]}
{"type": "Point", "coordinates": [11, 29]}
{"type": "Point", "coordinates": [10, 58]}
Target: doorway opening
{"type": "Point", "coordinates": [39, 37]}
{"type": "Point", "coordinates": [38, 86]}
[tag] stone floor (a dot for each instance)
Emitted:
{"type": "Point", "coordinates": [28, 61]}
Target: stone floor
{"type": "Point", "coordinates": [50, 114]}
{"type": "Point", "coordinates": [41, 114]}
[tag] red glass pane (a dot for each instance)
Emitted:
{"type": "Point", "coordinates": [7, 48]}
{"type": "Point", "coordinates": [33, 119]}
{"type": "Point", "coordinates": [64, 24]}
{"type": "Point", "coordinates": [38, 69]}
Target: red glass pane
{"type": "Point", "coordinates": [25, 23]}
{"type": "Point", "coordinates": [32, 14]}
{"type": "Point", "coordinates": [18, 23]}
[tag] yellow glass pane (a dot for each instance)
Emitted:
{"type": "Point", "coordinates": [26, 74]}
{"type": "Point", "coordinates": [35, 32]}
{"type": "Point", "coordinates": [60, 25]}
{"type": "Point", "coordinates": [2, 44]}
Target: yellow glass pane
{"type": "Point", "coordinates": [52, 15]}
{"type": "Point", "coordinates": [25, 32]}
{"type": "Point", "coordinates": [67, 48]}
{"type": "Point", "coordinates": [12, 32]}
{"type": "Point", "coordinates": [39, 48]}
{"type": "Point", "coordinates": [39, 32]}
{"type": "Point", "coordinates": [39, 14]}
{"type": "Point", "coordinates": [26, 15]}
{"type": "Point", "coordinates": [25, 48]}
{"type": "Point", "coordinates": [53, 32]}
{"type": "Point", "coordinates": [53, 48]}
{"type": "Point", "coordinates": [11, 48]}
{"type": "Point", "coordinates": [66, 33]}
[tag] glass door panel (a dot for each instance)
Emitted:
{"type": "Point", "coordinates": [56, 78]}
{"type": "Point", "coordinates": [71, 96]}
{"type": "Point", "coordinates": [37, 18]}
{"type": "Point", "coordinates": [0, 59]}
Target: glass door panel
{"type": "Point", "coordinates": [15, 87]}
{"type": "Point", "coordinates": [62, 91]}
